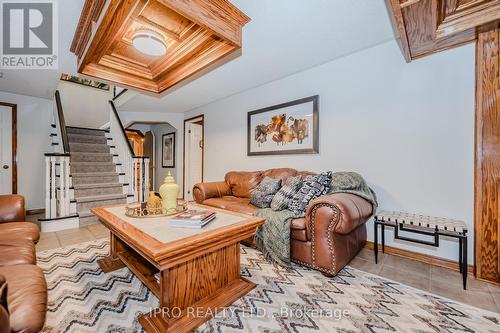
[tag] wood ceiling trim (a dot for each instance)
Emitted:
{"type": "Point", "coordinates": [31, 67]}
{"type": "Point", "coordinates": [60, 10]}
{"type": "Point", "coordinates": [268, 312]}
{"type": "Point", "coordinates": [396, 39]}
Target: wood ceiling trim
{"type": "Point", "coordinates": [183, 49]}
{"type": "Point", "coordinates": [113, 24]}
{"type": "Point", "coordinates": [90, 14]}
{"type": "Point", "coordinates": [208, 14]}
{"type": "Point", "coordinates": [461, 18]}
{"type": "Point", "coordinates": [123, 78]}
{"type": "Point", "coordinates": [167, 32]}
{"type": "Point", "coordinates": [200, 61]}
{"type": "Point", "coordinates": [124, 65]}
{"type": "Point", "coordinates": [429, 26]}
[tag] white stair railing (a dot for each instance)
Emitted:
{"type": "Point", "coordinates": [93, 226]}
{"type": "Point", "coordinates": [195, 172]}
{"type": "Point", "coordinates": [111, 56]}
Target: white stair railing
{"type": "Point", "coordinates": [57, 165]}
{"type": "Point", "coordinates": [57, 186]}
{"type": "Point", "coordinates": [135, 168]}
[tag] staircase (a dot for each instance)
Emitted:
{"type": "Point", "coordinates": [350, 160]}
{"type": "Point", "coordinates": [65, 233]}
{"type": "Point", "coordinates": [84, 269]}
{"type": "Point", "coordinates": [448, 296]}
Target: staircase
{"type": "Point", "coordinates": [89, 168]}
{"type": "Point", "coordinates": [95, 179]}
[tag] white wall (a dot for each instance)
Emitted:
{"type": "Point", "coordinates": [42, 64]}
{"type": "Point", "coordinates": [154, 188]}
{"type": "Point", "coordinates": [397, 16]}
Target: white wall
{"type": "Point", "coordinates": [84, 106]}
{"type": "Point", "coordinates": [176, 120]}
{"type": "Point", "coordinates": [407, 128]}
{"type": "Point", "coordinates": [34, 116]}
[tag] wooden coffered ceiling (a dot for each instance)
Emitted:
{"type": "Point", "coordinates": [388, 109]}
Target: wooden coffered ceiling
{"type": "Point", "coordinates": [198, 34]}
{"type": "Point", "coordinates": [429, 26]}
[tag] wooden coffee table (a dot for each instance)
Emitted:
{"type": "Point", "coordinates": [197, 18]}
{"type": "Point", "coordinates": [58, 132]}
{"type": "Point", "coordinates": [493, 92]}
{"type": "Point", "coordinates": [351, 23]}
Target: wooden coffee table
{"type": "Point", "coordinates": [197, 270]}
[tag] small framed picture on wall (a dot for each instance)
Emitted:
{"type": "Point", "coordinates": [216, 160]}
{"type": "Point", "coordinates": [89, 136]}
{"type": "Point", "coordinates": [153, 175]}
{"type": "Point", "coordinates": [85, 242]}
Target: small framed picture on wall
{"type": "Point", "coordinates": [168, 150]}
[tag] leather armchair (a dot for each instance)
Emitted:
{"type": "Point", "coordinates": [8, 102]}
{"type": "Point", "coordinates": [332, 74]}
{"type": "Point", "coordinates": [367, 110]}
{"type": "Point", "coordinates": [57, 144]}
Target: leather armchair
{"type": "Point", "coordinates": [12, 220]}
{"type": "Point", "coordinates": [12, 208]}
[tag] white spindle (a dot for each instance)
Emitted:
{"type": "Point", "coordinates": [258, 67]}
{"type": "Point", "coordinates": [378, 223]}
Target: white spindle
{"type": "Point", "coordinates": [141, 182]}
{"type": "Point", "coordinates": [68, 185]}
{"type": "Point", "coordinates": [146, 178]}
{"type": "Point", "coordinates": [62, 187]}
{"type": "Point", "coordinates": [53, 198]}
{"type": "Point", "coordinates": [47, 187]}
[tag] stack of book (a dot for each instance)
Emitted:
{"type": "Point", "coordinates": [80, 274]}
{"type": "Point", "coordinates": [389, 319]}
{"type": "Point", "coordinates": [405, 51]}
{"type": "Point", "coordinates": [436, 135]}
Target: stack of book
{"type": "Point", "coordinates": [195, 219]}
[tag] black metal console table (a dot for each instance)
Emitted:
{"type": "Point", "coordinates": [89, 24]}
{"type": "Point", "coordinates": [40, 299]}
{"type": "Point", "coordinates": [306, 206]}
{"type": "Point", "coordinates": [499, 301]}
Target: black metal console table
{"type": "Point", "coordinates": [424, 225]}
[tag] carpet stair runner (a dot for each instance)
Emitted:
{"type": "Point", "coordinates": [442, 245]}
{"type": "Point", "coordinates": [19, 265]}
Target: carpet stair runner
{"type": "Point", "coordinates": [94, 177]}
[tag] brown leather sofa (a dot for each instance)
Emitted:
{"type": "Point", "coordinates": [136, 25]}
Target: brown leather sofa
{"type": "Point", "coordinates": [23, 289]}
{"type": "Point", "coordinates": [331, 234]}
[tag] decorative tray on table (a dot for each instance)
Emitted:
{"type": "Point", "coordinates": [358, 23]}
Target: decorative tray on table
{"type": "Point", "coordinates": [140, 210]}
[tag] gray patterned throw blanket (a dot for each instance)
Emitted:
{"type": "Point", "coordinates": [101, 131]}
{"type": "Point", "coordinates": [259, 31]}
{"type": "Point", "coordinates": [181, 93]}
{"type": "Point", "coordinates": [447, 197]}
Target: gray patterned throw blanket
{"type": "Point", "coordinates": [273, 238]}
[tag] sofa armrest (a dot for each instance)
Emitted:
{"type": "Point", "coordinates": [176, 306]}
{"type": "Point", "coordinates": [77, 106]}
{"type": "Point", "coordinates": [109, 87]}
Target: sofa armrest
{"type": "Point", "coordinates": [12, 208]}
{"type": "Point", "coordinates": [347, 212]}
{"type": "Point", "coordinates": [204, 191]}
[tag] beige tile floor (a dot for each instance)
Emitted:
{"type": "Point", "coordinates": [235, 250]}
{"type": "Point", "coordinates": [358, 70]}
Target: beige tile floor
{"type": "Point", "coordinates": [422, 276]}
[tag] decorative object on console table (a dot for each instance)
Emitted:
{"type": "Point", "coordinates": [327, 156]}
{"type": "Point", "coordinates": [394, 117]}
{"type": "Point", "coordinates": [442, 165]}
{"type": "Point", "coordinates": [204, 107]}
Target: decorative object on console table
{"type": "Point", "coordinates": [289, 128]}
{"type": "Point", "coordinates": [154, 201]}
{"type": "Point", "coordinates": [424, 225]}
{"type": "Point", "coordinates": [168, 150]}
{"type": "Point", "coordinates": [169, 192]}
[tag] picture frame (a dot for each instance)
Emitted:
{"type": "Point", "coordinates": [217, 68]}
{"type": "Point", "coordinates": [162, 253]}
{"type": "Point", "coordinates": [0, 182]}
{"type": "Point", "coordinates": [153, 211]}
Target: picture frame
{"type": "Point", "coordinates": [168, 150]}
{"type": "Point", "coordinates": [283, 129]}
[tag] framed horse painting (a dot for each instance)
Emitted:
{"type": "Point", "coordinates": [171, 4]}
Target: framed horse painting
{"type": "Point", "coordinates": [289, 128]}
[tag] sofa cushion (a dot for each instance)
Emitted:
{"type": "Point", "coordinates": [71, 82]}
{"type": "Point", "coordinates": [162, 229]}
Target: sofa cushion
{"type": "Point", "coordinates": [26, 297]}
{"type": "Point", "coordinates": [240, 207]}
{"type": "Point", "coordinates": [20, 230]}
{"type": "Point", "coordinates": [282, 199]}
{"type": "Point", "coordinates": [264, 193]}
{"type": "Point", "coordinates": [17, 252]}
{"type": "Point", "coordinates": [242, 183]}
{"type": "Point", "coordinates": [312, 187]}
{"type": "Point", "coordinates": [221, 202]}
{"type": "Point", "coordinates": [298, 230]}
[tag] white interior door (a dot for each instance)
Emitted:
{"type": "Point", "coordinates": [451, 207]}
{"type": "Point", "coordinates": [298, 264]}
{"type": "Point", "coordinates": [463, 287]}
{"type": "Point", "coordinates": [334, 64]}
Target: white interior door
{"type": "Point", "coordinates": [194, 157]}
{"type": "Point", "coordinates": [5, 150]}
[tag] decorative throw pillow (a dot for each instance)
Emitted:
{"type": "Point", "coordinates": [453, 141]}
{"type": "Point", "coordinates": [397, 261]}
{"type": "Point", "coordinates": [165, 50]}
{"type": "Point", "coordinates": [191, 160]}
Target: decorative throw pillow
{"type": "Point", "coordinates": [285, 194]}
{"type": "Point", "coordinates": [312, 187]}
{"type": "Point", "coordinates": [263, 194]}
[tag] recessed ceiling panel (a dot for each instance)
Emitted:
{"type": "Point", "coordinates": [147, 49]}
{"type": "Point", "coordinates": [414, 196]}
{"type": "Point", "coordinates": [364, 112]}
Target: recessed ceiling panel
{"type": "Point", "coordinates": [196, 34]}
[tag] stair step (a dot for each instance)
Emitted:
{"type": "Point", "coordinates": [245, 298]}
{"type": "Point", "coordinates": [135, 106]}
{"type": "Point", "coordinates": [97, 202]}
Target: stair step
{"type": "Point", "coordinates": [79, 167]}
{"type": "Point", "coordinates": [83, 138]}
{"type": "Point", "coordinates": [88, 190]}
{"type": "Point", "coordinates": [98, 185]}
{"type": "Point", "coordinates": [85, 131]}
{"type": "Point", "coordinates": [101, 198]}
{"type": "Point", "coordinates": [93, 174]}
{"type": "Point", "coordinates": [79, 157]}
{"type": "Point", "coordinates": [89, 147]}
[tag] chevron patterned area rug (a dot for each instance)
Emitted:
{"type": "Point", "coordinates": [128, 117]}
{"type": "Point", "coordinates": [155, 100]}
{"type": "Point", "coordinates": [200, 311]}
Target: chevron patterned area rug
{"type": "Point", "coordinates": [84, 299]}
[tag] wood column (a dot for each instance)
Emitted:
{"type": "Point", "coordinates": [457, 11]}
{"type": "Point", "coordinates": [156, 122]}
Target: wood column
{"type": "Point", "coordinates": [487, 170]}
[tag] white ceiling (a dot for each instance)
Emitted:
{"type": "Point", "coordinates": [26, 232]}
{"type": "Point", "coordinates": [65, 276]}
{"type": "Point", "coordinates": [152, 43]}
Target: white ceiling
{"type": "Point", "coordinates": [43, 83]}
{"type": "Point", "coordinates": [283, 37]}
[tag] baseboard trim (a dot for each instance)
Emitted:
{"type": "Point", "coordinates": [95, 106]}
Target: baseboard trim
{"type": "Point", "coordinates": [35, 211]}
{"type": "Point", "coordinates": [420, 257]}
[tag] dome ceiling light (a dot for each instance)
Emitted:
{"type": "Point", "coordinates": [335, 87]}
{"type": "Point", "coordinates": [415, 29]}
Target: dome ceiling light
{"type": "Point", "coordinates": [150, 43]}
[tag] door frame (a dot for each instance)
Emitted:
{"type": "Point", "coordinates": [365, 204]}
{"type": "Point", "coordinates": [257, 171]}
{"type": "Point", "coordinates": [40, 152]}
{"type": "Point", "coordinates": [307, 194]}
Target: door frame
{"type": "Point", "coordinates": [189, 120]}
{"type": "Point", "coordinates": [14, 144]}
